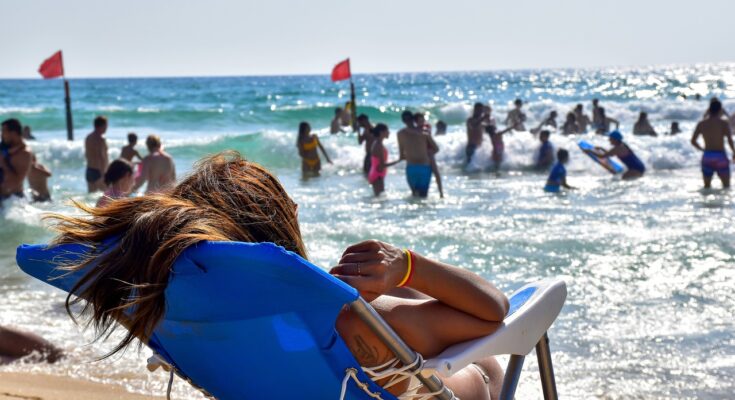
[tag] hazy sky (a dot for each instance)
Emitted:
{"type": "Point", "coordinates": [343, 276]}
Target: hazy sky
{"type": "Point", "coordinates": [215, 37]}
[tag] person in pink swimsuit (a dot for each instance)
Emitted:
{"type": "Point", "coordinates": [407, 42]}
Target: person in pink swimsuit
{"type": "Point", "coordinates": [379, 159]}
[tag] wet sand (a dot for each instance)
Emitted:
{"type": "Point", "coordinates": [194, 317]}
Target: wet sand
{"type": "Point", "coordinates": [24, 386]}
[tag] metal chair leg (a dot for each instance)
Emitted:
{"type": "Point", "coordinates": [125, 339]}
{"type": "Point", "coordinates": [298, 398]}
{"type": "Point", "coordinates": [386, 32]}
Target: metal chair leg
{"type": "Point", "coordinates": [512, 376]}
{"type": "Point", "coordinates": [546, 370]}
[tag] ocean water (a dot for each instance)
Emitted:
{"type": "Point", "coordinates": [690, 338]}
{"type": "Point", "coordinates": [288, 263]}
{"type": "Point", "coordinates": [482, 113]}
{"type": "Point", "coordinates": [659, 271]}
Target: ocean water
{"type": "Point", "coordinates": [649, 263]}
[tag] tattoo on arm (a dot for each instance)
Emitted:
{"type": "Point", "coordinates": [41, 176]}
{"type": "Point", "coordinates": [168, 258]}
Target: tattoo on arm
{"type": "Point", "coordinates": [366, 355]}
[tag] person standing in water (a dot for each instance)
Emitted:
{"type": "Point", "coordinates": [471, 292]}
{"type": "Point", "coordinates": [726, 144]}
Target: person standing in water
{"type": "Point", "coordinates": [605, 122]}
{"type": "Point", "coordinates": [675, 130]}
{"type": "Point", "coordinates": [714, 130]}
{"type": "Point", "coordinates": [128, 151]}
{"type": "Point", "coordinates": [570, 126]}
{"type": "Point", "coordinates": [16, 159]}
{"type": "Point", "coordinates": [549, 121]}
{"type": "Point", "coordinates": [379, 159]}
{"type": "Point", "coordinates": [441, 128]}
{"type": "Point", "coordinates": [581, 118]}
{"type": "Point", "coordinates": [545, 156]}
{"type": "Point", "coordinates": [336, 125]}
{"type": "Point", "coordinates": [307, 143]}
{"type": "Point", "coordinates": [95, 150]}
{"type": "Point", "coordinates": [119, 179]}
{"type": "Point", "coordinates": [425, 127]}
{"type": "Point", "coordinates": [496, 140]}
{"type": "Point", "coordinates": [624, 153]}
{"type": "Point", "coordinates": [643, 127]}
{"type": "Point", "coordinates": [415, 147]}
{"type": "Point", "coordinates": [158, 167]}
{"type": "Point", "coordinates": [516, 117]}
{"type": "Point", "coordinates": [38, 181]}
{"type": "Point", "coordinates": [597, 119]}
{"type": "Point", "coordinates": [558, 176]}
{"type": "Point", "coordinates": [365, 135]}
{"type": "Point", "coordinates": [475, 129]}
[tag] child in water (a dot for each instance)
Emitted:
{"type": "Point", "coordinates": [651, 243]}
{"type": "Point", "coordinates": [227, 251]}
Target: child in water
{"type": "Point", "coordinates": [307, 144]}
{"type": "Point", "coordinates": [38, 181]}
{"type": "Point", "coordinates": [119, 180]}
{"type": "Point", "coordinates": [496, 139]}
{"type": "Point", "coordinates": [558, 176]}
{"type": "Point", "coordinates": [128, 151]}
{"type": "Point", "coordinates": [379, 159]}
{"type": "Point", "coordinates": [545, 156]}
{"type": "Point", "coordinates": [636, 168]}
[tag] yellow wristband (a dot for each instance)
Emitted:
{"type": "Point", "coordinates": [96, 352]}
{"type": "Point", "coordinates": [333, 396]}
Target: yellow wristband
{"type": "Point", "coordinates": [408, 269]}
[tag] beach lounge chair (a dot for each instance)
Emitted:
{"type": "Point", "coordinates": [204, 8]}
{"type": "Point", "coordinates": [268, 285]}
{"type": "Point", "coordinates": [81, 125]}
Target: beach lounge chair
{"type": "Point", "coordinates": [254, 321]}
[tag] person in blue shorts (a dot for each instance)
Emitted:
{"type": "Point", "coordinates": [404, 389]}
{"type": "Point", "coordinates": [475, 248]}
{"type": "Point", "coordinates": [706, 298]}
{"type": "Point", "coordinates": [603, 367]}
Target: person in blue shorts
{"type": "Point", "coordinates": [558, 176]}
{"type": "Point", "coordinates": [416, 148]}
{"type": "Point", "coordinates": [624, 153]}
{"type": "Point", "coordinates": [714, 129]}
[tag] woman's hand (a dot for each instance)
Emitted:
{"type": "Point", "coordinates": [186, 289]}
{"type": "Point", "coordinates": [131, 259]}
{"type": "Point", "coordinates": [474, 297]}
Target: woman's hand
{"type": "Point", "coordinates": [372, 267]}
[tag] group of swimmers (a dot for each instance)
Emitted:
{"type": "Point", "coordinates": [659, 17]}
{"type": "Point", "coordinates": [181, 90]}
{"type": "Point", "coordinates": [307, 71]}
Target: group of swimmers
{"type": "Point", "coordinates": [124, 175]}
{"type": "Point", "coordinates": [417, 147]}
{"type": "Point", "coordinates": [116, 179]}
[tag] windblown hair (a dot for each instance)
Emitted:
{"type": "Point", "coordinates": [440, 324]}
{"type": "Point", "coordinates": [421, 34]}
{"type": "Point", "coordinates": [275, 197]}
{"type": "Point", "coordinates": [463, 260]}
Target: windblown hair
{"type": "Point", "coordinates": [225, 198]}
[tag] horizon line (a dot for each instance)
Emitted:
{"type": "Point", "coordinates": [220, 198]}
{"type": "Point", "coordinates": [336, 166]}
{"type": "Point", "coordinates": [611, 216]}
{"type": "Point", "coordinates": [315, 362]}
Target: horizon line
{"type": "Point", "coordinates": [266, 75]}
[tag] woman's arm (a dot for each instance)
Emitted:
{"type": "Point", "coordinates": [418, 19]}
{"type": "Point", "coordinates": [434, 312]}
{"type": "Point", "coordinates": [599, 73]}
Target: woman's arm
{"type": "Point", "coordinates": [374, 268]}
{"type": "Point", "coordinates": [319, 142]}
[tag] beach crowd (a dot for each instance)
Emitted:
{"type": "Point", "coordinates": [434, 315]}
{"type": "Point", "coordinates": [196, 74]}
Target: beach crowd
{"type": "Point", "coordinates": [416, 147]}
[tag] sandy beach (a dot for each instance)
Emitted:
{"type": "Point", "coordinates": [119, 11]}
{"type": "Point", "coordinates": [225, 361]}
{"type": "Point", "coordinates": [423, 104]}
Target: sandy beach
{"type": "Point", "coordinates": [25, 386]}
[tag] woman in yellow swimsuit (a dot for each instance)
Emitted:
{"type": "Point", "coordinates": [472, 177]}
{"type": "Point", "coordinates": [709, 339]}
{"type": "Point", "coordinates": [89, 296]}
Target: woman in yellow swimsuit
{"type": "Point", "coordinates": [307, 144]}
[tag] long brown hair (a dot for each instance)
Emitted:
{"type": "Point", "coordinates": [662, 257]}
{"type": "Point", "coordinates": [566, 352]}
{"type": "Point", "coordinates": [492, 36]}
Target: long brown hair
{"type": "Point", "coordinates": [225, 198]}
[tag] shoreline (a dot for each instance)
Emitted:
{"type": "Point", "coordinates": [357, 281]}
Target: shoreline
{"type": "Point", "coordinates": [30, 386]}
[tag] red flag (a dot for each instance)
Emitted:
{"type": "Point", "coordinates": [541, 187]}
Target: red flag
{"type": "Point", "coordinates": [53, 67]}
{"type": "Point", "coordinates": [341, 71]}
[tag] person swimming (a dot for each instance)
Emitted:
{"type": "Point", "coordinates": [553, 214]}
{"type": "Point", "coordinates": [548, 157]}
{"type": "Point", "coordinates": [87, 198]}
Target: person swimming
{"type": "Point", "coordinates": [548, 121]}
{"type": "Point", "coordinates": [307, 143]}
{"type": "Point", "coordinates": [714, 130]}
{"type": "Point", "coordinates": [558, 176]}
{"type": "Point", "coordinates": [226, 198]}
{"type": "Point", "coordinates": [119, 179]}
{"type": "Point", "coordinates": [379, 159]}
{"type": "Point", "coordinates": [416, 148]}
{"type": "Point", "coordinates": [675, 130]}
{"type": "Point", "coordinates": [635, 166]}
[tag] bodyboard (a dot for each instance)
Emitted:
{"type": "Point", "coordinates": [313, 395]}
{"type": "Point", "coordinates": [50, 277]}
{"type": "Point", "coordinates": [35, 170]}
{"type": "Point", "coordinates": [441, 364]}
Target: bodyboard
{"type": "Point", "coordinates": [610, 165]}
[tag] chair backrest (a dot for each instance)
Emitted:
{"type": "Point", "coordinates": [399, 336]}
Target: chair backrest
{"type": "Point", "coordinates": [243, 320]}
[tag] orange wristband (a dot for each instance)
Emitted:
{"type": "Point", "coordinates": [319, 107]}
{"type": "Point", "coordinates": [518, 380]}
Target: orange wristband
{"type": "Point", "coordinates": [409, 269]}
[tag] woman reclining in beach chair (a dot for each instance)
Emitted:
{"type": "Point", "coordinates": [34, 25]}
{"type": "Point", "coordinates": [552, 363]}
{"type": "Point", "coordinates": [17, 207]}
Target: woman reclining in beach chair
{"type": "Point", "coordinates": [179, 269]}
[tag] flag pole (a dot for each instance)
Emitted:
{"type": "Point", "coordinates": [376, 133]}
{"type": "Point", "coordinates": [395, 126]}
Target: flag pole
{"type": "Point", "coordinates": [354, 105]}
{"type": "Point", "coordinates": [69, 124]}
{"type": "Point", "coordinates": [67, 100]}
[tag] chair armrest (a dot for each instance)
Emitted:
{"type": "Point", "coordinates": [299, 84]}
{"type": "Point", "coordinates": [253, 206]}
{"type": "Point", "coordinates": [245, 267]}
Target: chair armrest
{"type": "Point", "coordinates": [533, 308]}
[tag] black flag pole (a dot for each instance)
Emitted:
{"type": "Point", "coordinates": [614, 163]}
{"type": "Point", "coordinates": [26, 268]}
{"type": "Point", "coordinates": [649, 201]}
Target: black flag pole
{"type": "Point", "coordinates": [354, 105]}
{"type": "Point", "coordinates": [67, 100]}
